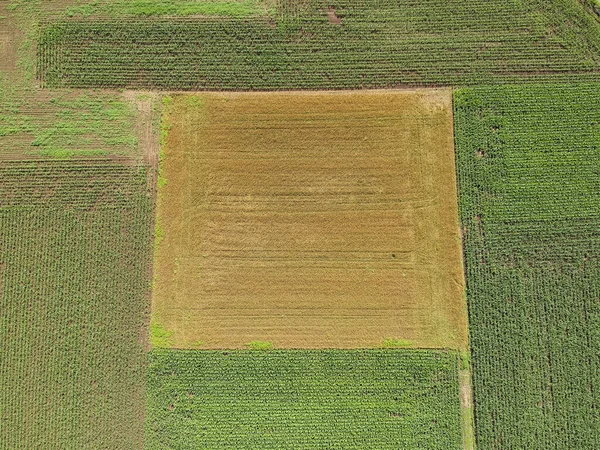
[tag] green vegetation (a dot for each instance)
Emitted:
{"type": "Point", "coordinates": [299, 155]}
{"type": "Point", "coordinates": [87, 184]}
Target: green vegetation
{"type": "Point", "coordinates": [260, 345]}
{"type": "Point", "coordinates": [243, 8]}
{"type": "Point", "coordinates": [465, 360]}
{"type": "Point", "coordinates": [76, 227]}
{"type": "Point", "coordinates": [376, 44]}
{"type": "Point", "coordinates": [303, 399]}
{"type": "Point", "coordinates": [65, 124]}
{"type": "Point", "coordinates": [159, 336]}
{"type": "Point", "coordinates": [397, 343]}
{"type": "Point", "coordinates": [528, 160]}
{"type": "Point", "coordinates": [55, 124]}
{"type": "Point", "coordinates": [159, 233]}
{"type": "Point", "coordinates": [74, 236]}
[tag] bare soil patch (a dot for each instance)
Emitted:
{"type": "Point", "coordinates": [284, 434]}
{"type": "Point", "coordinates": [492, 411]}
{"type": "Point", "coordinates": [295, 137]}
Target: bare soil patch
{"type": "Point", "coordinates": [332, 16]}
{"type": "Point", "coordinates": [310, 220]}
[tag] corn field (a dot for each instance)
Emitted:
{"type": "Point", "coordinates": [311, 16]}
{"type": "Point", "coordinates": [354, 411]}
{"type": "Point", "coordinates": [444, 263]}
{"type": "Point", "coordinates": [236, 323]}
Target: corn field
{"type": "Point", "coordinates": [359, 43]}
{"type": "Point", "coordinates": [303, 399]}
{"type": "Point", "coordinates": [528, 161]}
{"type": "Point", "coordinates": [74, 270]}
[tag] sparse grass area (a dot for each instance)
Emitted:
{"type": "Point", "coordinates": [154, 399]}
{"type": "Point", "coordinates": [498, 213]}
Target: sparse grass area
{"type": "Point", "coordinates": [60, 123]}
{"type": "Point", "coordinates": [64, 124]}
{"type": "Point", "coordinates": [165, 127]}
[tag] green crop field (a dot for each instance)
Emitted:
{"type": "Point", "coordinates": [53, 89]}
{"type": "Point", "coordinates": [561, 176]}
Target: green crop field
{"type": "Point", "coordinates": [73, 304]}
{"type": "Point", "coordinates": [82, 121]}
{"type": "Point", "coordinates": [303, 399]}
{"type": "Point", "coordinates": [312, 45]}
{"type": "Point", "coordinates": [528, 162]}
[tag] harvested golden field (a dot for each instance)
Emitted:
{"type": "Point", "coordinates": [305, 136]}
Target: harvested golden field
{"type": "Point", "coordinates": [309, 220]}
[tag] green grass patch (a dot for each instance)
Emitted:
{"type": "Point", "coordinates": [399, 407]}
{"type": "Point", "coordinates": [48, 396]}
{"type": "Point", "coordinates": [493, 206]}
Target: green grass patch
{"type": "Point", "coordinates": [465, 360]}
{"type": "Point", "coordinates": [159, 233]}
{"type": "Point", "coordinates": [159, 336]}
{"type": "Point", "coordinates": [260, 345]}
{"type": "Point", "coordinates": [396, 343]}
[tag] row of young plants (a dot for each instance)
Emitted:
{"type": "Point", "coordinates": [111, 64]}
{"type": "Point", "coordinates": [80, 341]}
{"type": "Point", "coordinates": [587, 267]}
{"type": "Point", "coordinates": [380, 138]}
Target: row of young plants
{"type": "Point", "coordinates": [358, 43]}
{"type": "Point", "coordinates": [75, 245]}
{"type": "Point", "coordinates": [528, 161]}
{"type": "Point", "coordinates": [84, 184]}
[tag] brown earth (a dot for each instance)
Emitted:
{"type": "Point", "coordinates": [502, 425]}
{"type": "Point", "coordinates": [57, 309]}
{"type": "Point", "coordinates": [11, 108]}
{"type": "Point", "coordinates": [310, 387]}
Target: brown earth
{"type": "Point", "coordinates": [466, 408]}
{"type": "Point", "coordinates": [310, 220]}
{"type": "Point", "coordinates": [332, 16]}
{"type": "Point", "coordinates": [146, 129]}
{"type": "Point", "coordinates": [10, 38]}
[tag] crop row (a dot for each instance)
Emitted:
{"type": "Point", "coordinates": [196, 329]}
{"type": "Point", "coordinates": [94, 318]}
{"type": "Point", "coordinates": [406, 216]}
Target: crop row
{"type": "Point", "coordinates": [79, 183]}
{"type": "Point", "coordinates": [528, 162]}
{"type": "Point", "coordinates": [377, 44]}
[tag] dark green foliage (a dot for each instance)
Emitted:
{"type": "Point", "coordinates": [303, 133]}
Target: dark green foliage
{"type": "Point", "coordinates": [75, 241]}
{"type": "Point", "coordinates": [303, 399]}
{"type": "Point", "coordinates": [379, 43]}
{"type": "Point", "coordinates": [528, 160]}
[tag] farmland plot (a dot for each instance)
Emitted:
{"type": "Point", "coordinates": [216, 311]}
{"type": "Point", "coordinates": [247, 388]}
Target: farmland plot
{"type": "Point", "coordinates": [313, 45]}
{"type": "Point", "coordinates": [75, 213]}
{"type": "Point", "coordinates": [309, 220]}
{"type": "Point", "coordinates": [303, 399]}
{"type": "Point", "coordinates": [39, 123]}
{"type": "Point", "coordinates": [75, 241]}
{"type": "Point", "coordinates": [528, 160]}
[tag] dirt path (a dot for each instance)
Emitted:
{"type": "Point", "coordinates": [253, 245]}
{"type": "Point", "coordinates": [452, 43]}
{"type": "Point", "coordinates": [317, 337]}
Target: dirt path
{"type": "Point", "coordinates": [466, 408]}
{"type": "Point", "coordinates": [10, 38]}
{"type": "Point", "coordinates": [146, 128]}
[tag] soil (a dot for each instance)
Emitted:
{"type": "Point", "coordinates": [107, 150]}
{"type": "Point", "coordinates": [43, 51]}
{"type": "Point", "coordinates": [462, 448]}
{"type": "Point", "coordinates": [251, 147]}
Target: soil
{"type": "Point", "coordinates": [145, 127]}
{"type": "Point", "coordinates": [333, 18]}
{"type": "Point", "coordinates": [282, 210]}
